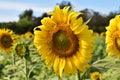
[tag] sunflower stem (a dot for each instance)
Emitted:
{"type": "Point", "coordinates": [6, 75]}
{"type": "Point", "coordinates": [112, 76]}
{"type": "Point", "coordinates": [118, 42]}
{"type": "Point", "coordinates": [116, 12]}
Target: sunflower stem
{"type": "Point", "coordinates": [13, 61]}
{"type": "Point", "coordinates": [78, 76]}
{"type": "Point", "coordinates": [26, 69]}
{"type": "Point", "coordinates": [59, 78]}
{"type": "Point", "coordinates": [13, 58]}
{"type": "Point", "coordinates": [83, 75]}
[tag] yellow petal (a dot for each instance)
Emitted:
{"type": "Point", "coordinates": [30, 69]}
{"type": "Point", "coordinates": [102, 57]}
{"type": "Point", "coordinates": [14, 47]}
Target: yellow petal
{"type": "Point", "coordinates": [64, 17]}
{"type": "Point", "coordinates": [56, 65]}
{"type": "Point", "coordinates": [48, 23]}
{"type": "Point", "coordinates": [57, 14]}
{"type": "Point", "coordinates": [61, 66]}
{"type": "Point", "coordinates": [50, 59]}
{"type": "Point", "coordinates": [77, 63]}
{"type": "Point", "coordinates": [69, 67]}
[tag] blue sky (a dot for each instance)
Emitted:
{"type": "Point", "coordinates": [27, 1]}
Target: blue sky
{"type": "Point", "coordinates": [10, 9]}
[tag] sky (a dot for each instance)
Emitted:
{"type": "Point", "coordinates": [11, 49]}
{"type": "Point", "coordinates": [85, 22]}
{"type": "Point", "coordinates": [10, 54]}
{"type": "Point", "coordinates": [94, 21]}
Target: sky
{"type": "Point", "coordinates": [11, 9]}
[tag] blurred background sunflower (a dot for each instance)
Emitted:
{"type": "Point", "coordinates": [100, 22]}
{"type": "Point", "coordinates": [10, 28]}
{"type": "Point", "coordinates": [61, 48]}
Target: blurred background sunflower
{"type": "Point", "coordinates": [96, 76]}
{"type": "Point", "coordinates": [6, 40]}
{"type": "Point", "coordinates": [113, 36]}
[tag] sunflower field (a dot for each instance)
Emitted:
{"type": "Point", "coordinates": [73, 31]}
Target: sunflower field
{"type": "Point", "coordinates": [62, 48]}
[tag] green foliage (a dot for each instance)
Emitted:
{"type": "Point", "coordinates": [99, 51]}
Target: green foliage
{"type": "Point", "coordinates": [100, 49]}
{"type": "Point", "coordinates": [36, 68]}
{"type": "Point", "coordinates": [13, 67]}
{"type": "Point", "coordinates": [27, 13]}
{"type": "Point", "coordinates": [10, 25]}
{"type": "Point", "coordinates": [109, 68]}
{"type": "Point", "coordinates": [24, 25]}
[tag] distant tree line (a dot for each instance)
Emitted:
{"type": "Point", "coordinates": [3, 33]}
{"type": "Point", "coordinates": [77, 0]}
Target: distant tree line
{"type": "Point", "coordinates": [27, 21]}
{"type": "Point", "coordinates": [98, 21]}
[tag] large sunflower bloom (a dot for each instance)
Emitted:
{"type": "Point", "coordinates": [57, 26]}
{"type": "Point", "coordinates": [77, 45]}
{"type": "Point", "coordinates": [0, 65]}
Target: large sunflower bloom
{"type": "Point", "coordinates": [64, 41]}
{"type": "Point", "coordinates": [6, 40]}
{"type": "Point", "coordinates": [113, 37]}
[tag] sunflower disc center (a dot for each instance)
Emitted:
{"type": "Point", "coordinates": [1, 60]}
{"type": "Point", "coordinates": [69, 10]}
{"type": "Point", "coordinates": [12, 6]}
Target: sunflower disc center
{"type": "Point", "coordinates": [64, 42]}
{"type": "Point", "coordinates": [20, 50]}
{"type": "Point", "coordinates": [6, 41]}
{"type": "Point", "coordinates": [61, 40]}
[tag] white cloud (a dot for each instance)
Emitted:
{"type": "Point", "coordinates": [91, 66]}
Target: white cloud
{"type": "Point", "coordinates": [8, 18]}
{"type": "Point", "coordinates": [22, 6]}
{"type": "Point", "coordinates": [14, 6]}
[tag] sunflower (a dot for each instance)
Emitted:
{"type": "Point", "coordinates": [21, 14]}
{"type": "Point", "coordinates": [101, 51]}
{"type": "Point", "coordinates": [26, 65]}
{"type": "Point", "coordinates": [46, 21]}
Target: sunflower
{"type": "Point", "coordinates": [103, 34]}
{"type": "Point", "coordinates": [113, 37]}
{"type": "Point", "coordinates": [20, 49]}
{"type": "Point", "coordinates": [6, 40]}
{"type": "Point", "coordinates": [29, 35]}
{"type": "Point", "coordinates": [96, 76]}
{"type": "Point", "coordinates": [64, 41]}
{"type": "Point", "coordinates": [95, 34]}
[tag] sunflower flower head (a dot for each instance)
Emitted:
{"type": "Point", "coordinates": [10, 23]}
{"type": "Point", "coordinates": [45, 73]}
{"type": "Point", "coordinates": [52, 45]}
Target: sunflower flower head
{"type": "Point", "coordinates": [96, 76]}
{"type": "Point", "coordinates": [6, 40]}
{"type": "Point", "coordinates": [62, 40]}
{"type": "Point", "coordinates": [21, 48]}
{"type": "Point", "coordinates": [103, 34]}
{"type": "Point", "coordinates": [113, 37]}
{"type": "Point", "coordinates": [29, 35]}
